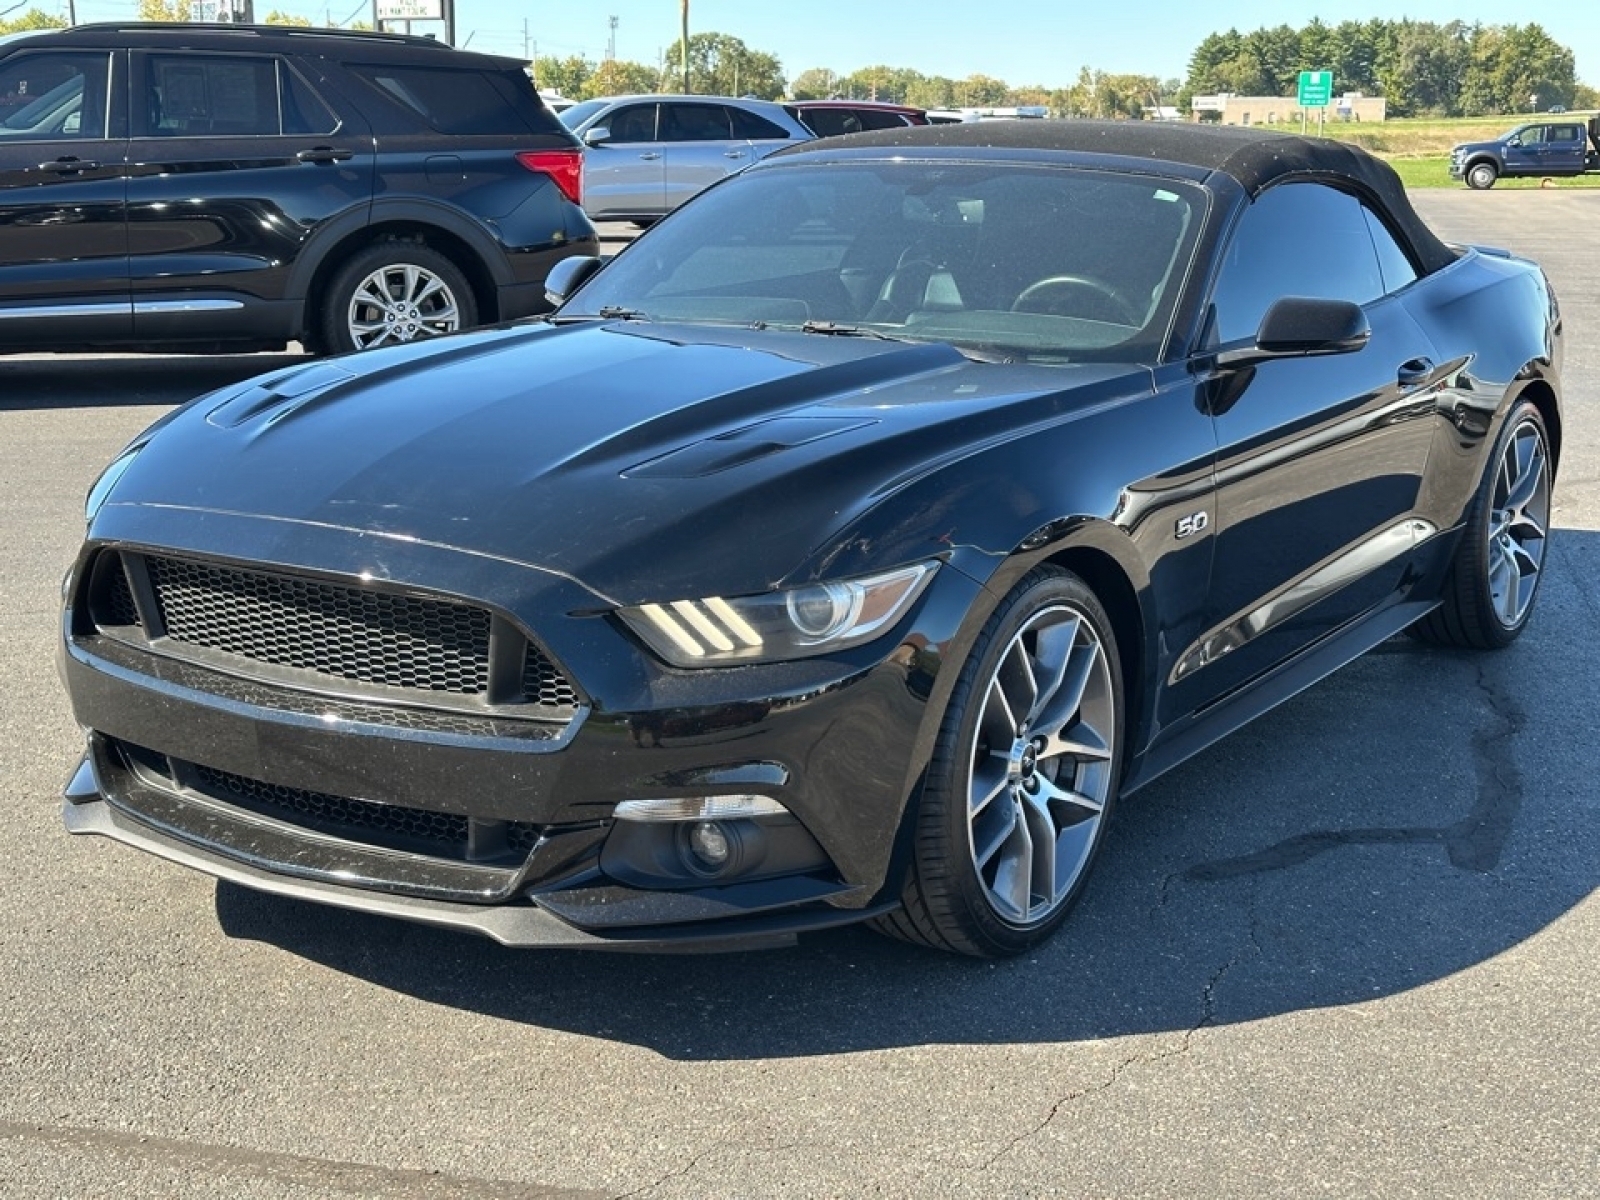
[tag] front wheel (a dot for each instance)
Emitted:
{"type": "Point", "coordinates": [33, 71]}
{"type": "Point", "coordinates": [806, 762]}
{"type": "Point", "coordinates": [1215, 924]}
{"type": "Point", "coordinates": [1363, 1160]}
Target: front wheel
{"type": "Point", "coordinates": [1494, 578]}
{"type": "Point", "coordinates": [394, 292]}
{"type": "Point", "coordinates": [1023, 775]}
{"type": "Point", "coordinates": [1481, 176]}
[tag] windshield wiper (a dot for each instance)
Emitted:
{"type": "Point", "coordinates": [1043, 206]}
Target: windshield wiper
{"type": "Point", "coordinates": [616, 312]}
{"type": "Point", "coordinates": [835, 329]}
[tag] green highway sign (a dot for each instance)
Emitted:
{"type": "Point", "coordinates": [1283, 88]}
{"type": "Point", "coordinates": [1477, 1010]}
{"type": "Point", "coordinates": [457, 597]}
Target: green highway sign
{"type": "Point", "coordinates": [1316, 89]}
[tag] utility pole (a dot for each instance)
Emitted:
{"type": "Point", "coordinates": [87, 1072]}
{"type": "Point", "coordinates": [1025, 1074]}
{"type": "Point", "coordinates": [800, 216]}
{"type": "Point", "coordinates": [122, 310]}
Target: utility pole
{"type": "Point", "coordinates": [611, 42]}
{"type": "Point", "coordinates": [685, 47]}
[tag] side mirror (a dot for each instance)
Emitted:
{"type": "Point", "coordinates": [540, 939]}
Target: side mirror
{"type": "Point", "coordinates": [1514, 141]}
{"type": "Point", "coordinates": [1300, 327]}
{"type": "Point", "coordinates": [598, 136]}
{"type": "Point", "coordinates": [567, 276]}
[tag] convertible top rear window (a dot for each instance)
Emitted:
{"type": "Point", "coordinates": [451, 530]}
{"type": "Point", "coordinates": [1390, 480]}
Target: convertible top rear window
{"type": "Point", "coordinates": [1040, 262]}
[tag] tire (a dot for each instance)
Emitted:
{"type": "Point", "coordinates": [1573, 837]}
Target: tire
{"type": "Point", "coordinates": [1481, 176]}
{"type": "Point", "coordinates": [394, 292]}
{"type": "Point", "coordinates": [1024, 772]}
{"type": "Point", "coordinates": [1494, 577]}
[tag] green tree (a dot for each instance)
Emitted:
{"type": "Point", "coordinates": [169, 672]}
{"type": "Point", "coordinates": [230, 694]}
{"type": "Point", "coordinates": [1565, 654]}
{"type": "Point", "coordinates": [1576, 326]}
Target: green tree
{"type": "Point", "coordinates": [722, 65]}
{"type": "Point", "coordinates": [165, 10]}
{"type": "Point", "coordinates": [814, 83]}
{"type": "Point", "coordinates": [614, 77]}
{"type": "Point", "coordinates": [282, 18]}
{"type": "Point", "coordinates": [569, 76]}
{"type": "Point", "coordinates": [981, 91]}
{"type": "Point", "coordinates": [32, 19]}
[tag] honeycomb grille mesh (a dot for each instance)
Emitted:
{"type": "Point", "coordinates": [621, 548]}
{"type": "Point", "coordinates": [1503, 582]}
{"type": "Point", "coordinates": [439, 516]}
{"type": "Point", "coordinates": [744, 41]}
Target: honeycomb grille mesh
{"type": "Point", "coordinates": [443, 834]}
{"type": "Point", "coordinates": [353, 633]}
{"type": "Point", "coordinates": [119, 606]}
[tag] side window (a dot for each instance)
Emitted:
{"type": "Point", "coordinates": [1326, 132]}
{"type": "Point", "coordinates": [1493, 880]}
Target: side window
{"type": "Point", "coordinates": [304, 110]}
{"type": "Point", "coordinates": [695, 123]}
{"type": "Point", "coordinates": [1297, 239]}
{"type": "Point", "coordinates": [756, 128]}
{"type": "Point", "coordinates": [449, 100]}
{"type": "Point", "coordinates": [873, 118]}
{"type": "Point", "coordinates": [1533, 136]}
{"type": "Point", "coordinates": [636, 123]}
{"type": "Point", "coordinates": [52, 95]}
{"type": "Point", "coordinates": [1392, 260]}
{"type": "Point", "coordinates": [193, 95]}
{"type": "Point", "coordinates": [1567, 135]}
{"type": "Point", "coordinates": [824, 122]}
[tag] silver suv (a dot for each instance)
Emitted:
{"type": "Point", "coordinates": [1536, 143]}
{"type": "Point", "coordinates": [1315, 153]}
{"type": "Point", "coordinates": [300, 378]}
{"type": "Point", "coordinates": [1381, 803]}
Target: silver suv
{"type": "Point", "coordinates": [648, 154]}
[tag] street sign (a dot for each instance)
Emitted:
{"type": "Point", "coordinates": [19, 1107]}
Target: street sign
{"type": "Point", "coordinates": [410, 10]}
{"type": "Point", "coordinates": [1316, 89]}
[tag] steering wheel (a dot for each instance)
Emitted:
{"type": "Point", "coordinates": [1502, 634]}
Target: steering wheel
{"type": "Point", "coordinates": [1036, 298]}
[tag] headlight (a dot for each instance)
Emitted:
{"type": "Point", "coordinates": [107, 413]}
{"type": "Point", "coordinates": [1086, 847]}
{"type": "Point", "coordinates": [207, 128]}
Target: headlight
{"type": "Point", "coordinates": [108, 480]}
{"type": "Point", "coordinates": [816, 619]}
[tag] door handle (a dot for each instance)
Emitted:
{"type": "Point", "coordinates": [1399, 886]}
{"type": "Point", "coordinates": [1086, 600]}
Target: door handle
{"type": "Point", "coordinates": [650, 156]}
{"type": "Point", "coordinates": [733, 154]}
{"type": "Point", "coordinates": [325, 154]}
{"type": "Point", "coordinates": [69, 166]}
{"type": "Point", "coordinates": [1415, 372]}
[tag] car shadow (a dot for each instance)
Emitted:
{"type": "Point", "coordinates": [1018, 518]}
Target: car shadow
{"type": "Point", "coordinates": [1414, 816]}
{"type": "Point", "coordinates": [136, 379]}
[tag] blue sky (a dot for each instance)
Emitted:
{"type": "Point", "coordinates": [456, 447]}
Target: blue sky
{"type": "Point", "coordinates": [1031, 42]}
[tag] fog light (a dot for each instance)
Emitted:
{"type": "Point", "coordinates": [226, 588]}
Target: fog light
{"type": "Point", "coordinates": [709, 842]}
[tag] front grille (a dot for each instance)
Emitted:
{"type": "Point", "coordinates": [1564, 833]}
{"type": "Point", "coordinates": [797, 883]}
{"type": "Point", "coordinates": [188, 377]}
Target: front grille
{"type": "Point", "coordinates": [367, 636]}
{"type": "Point", "coordinates": [371, 638]}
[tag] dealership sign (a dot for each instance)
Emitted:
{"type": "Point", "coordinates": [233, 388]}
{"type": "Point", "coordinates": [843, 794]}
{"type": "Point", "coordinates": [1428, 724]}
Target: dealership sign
{"type": "Point", "coordinates": [409, 10]}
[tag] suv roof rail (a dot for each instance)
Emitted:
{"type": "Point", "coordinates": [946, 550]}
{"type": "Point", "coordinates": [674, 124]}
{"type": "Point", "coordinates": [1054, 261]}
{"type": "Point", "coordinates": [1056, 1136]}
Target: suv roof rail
{"type": "Point", "coordinates": [405, 39]}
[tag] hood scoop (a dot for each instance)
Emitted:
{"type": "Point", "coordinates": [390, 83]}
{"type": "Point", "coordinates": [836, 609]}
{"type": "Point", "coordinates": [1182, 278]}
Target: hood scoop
{"type": "Point", "coordinates": [741, 446]}
{"type": "Point", "coordinates": [275, 392]}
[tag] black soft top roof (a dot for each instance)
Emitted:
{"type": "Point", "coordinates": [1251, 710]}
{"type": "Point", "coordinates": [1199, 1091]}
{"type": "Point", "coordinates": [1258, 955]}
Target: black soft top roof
{"type": "Point", "coordinates": [1253, 157]}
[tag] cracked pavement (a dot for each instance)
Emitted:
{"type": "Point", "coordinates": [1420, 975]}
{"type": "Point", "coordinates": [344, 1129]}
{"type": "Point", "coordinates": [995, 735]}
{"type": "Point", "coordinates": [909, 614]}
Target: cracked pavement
{"type": "Point", "coordinates": [1349, 950]}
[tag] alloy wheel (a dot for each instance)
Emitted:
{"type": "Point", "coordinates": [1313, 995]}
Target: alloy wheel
{"type": "Point", "coordinates": [1041, 765]}
{"type": "Point", "coordinates": [1518, 519]}
{"type": "Point", "coordinates": [401, 302]}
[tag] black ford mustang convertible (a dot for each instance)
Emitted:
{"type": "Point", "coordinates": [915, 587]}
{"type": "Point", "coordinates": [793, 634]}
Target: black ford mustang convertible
{"type": "Point", "coordinates": [842, 550]}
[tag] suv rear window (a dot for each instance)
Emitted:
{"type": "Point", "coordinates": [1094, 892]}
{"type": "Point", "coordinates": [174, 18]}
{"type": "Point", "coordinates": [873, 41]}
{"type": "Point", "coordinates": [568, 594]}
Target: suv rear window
{"type": "Point", "coordinates": [451, 101]}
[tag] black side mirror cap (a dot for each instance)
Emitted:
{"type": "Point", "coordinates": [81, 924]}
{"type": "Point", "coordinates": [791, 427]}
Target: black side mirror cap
{"type": "Point", "coordinates": [568, 275]}
{"type": "Point", "coordinates": [1300, 327]}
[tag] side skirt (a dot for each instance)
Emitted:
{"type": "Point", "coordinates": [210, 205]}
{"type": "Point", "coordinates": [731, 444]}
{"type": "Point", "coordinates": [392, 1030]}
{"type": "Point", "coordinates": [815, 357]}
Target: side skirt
{"type": "Point", "coordinates": [1184, 739]}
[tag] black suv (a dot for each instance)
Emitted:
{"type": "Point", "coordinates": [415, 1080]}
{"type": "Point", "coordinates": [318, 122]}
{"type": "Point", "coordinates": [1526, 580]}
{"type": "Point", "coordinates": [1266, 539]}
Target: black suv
{"type": "Point", "coordinates": [193, 187]}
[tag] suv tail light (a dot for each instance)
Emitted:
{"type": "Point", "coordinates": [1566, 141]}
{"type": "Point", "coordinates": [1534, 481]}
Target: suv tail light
{"type": "Point", "coordinates": [565, 167]}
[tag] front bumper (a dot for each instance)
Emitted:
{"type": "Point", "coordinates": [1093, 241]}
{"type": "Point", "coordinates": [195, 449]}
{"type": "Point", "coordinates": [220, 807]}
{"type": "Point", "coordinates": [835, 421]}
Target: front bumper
{"type": "Point", "coordinates": [837, 743]}
{"type": "Point", "coordinates": [86, 810]}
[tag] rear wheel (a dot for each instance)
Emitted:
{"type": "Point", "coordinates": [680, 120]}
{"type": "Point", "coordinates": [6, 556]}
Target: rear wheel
{"type": "Point", "coordinates": [394, 292]}
{"type": "Point", "coordinates": [1023, 776]}
{"type": "Point", "coordinates": [1495, 576]}
{"type": "Point", "coordinates": [1481, 176]}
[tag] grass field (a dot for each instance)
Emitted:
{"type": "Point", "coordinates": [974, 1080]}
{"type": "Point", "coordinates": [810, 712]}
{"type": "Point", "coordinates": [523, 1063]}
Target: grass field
{"type": "Point", "coordinates": [1419, 149]}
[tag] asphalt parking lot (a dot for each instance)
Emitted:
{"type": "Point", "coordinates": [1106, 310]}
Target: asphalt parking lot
{"type": "Point", "coordinates": [1350, 951]}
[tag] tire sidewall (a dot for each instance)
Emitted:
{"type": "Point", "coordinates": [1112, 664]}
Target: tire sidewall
{"type": "Point", "coordinates": [945, 794]}
{"type": "Point", "coordinates": [1523, 413]}
{"type": "Point", "coordinates": [1481, 176]}
{"type": "Point", "coordinates": [335, 317]}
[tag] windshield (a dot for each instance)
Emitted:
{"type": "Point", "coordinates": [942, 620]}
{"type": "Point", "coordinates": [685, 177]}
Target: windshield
{"type": "Point", "coordinates": [1041, 263]}
{"type": "Point", "coordinates": [579, 113]}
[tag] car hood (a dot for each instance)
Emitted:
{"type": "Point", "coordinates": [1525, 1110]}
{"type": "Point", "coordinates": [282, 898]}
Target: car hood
{"type": "Point", "coordinates": [640, 459]}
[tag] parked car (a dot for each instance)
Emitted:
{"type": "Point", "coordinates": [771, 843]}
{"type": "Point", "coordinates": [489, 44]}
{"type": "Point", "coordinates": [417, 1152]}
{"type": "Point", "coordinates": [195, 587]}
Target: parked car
{"type": "Point", "coordinates": [648, 154]}
{"type": "Point", "coordinates": [1556, 148]}
{"type": "Point", "coordinates": [832, 118]}
{"type": "Point", "coordinates": [198, 187]}
{"type": "Point", "coordinates": [843, 550]}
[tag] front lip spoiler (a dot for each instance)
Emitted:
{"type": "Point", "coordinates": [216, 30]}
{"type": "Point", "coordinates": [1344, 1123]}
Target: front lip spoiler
{"type": "Point", "coordinates": [85, 810]}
